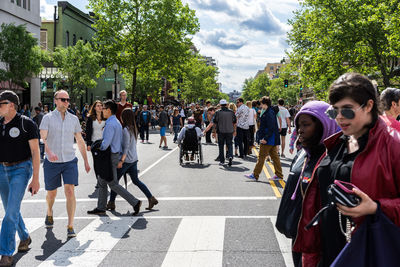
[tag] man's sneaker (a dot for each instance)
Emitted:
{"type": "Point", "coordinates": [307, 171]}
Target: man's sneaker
{"type": "Point", "coordinates": [136, 208]}
{"type": "Point", "coordinates": [275, 178]}
{"type": "Point", "coordinates": [251, 176]}
{"type": "Point", "coordinates": [96, 211]}
{"type": "Point", "coordinates": [230, 162]}
{"type": "Point", "coordinates": [70, 232]}
{"type": "Point", "coordinates": [165, 147]}
{"type": "Point", "coordinates": [49, 222]}
{"type": "Point", "coordinates": [24, 245]}
{"type": "Point", "coordinates": [221, 163]}
{"type": "Point", "coordinates": [6, 260]}
{"type": "Point", "coordinates": [110, 205]}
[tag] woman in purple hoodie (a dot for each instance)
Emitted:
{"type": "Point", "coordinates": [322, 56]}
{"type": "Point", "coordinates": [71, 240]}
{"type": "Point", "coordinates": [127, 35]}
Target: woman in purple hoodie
{"type": "Point", "coordinates": [313, 127]}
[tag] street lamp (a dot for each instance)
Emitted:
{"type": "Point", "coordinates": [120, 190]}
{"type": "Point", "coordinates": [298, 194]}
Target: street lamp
{"type": "Point", "coordinates": [115, 67]}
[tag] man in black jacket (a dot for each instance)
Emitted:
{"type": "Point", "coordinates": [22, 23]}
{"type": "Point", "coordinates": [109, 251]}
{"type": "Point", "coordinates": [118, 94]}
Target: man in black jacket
{"type": "Point", "coordinates": [144, 123]}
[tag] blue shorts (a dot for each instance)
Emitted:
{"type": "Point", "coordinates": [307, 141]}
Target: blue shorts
{"type": "Point", "coordinates": [54, 170]}
{"type": "Point", "coordinates": [162, 131]}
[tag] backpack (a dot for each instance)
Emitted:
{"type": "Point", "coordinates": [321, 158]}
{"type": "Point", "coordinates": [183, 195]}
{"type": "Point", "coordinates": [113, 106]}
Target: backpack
{"type": "Point", "coordinates": [190, 141]}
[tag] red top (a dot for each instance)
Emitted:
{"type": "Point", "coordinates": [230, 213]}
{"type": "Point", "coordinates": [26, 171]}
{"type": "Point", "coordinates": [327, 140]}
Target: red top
{"type": "Point", "coordinates": [121, 108]}
{"type": "Point", "coordinates": [391, 122]}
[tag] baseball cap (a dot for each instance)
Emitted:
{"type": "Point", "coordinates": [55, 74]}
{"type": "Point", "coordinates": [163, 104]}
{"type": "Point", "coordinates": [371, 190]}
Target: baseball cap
{"type": "Point", "coordinates": [223, 102]}
{"type": "Point", "coordinates": [10, 96]}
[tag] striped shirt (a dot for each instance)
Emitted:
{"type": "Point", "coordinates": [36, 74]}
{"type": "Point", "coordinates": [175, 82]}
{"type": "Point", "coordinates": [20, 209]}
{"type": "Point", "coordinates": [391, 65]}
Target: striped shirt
{"type": "Point", "coordinates": [61, 134]}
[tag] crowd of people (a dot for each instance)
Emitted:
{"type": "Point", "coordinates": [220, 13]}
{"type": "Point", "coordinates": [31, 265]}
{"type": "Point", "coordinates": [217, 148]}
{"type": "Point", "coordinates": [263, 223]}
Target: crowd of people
{"type": "Point", "coordinates": [348, 142]}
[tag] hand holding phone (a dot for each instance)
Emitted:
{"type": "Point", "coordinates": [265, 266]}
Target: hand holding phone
{"type": "Point", "coordinates": [342, 193]}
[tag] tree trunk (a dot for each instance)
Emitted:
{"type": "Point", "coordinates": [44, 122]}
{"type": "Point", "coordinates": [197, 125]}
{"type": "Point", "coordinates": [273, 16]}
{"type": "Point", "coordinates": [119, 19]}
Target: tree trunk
{"type": "Point", "coordinates": [134, 79]}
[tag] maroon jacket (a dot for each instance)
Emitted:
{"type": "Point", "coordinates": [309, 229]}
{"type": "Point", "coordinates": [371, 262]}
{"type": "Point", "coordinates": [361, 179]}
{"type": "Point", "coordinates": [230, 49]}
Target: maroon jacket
{"type": "Point", "coordinates": [376, 172]}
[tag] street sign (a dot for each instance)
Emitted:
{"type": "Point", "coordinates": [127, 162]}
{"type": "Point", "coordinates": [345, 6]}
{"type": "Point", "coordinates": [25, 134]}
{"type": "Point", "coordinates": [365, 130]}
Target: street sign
{"type": "Point", "coordinates": [109, 79]}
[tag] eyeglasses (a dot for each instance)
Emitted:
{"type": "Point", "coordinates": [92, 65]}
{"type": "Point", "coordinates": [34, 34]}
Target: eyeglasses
{"type": "Point", "coordinates": [63, 99]}
{"type": "Point", "coordinates": [4, 103]}
{"type": "Point", "coordinates": [348, 113]}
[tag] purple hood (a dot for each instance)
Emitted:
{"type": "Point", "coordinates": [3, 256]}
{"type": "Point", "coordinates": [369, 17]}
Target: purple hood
{"type": "Point", "coordinates": [317, 109]}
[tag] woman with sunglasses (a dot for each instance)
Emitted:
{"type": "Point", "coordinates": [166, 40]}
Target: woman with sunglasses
{"type": "Point", "coordinates": [364, 154]}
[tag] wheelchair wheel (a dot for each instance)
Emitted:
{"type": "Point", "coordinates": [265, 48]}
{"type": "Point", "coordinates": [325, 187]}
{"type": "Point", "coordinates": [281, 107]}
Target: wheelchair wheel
{"type": "Point", "coordinates": [180, 156]}
{"type": "Point", "coordinates": [200, 154]}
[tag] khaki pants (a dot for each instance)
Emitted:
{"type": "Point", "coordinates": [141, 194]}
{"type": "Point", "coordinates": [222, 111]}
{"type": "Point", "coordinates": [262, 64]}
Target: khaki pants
{"type": "Point", "coordinates": [266, 150]}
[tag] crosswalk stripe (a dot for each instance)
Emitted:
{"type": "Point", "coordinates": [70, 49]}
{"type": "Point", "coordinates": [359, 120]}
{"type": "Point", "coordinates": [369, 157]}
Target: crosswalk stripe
{"type": "Point", "coordinates": [284, 243]}
{"type": "Point", "coordinates": [197, 242]}
{"type": "Point", "coordinates": [63, 200]}
{"type": "Point", "coordinates": [92, 244]}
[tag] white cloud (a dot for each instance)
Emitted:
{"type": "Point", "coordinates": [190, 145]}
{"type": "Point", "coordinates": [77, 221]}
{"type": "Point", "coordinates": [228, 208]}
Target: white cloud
{"type": "Point", "coordinates": [46, 10]}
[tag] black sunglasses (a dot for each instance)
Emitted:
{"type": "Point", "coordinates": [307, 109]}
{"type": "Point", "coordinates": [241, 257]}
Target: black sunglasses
{"type": "Point", "coordinates": [348, 113]}
{"type": "Point", "coordinates": [63, 99]}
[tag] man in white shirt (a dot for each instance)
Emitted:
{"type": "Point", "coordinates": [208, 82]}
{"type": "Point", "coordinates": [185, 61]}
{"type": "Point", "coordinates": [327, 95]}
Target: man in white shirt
{"type": "Point", "coordinates": [242, 116]}
{"type": "Point", "coordinates": [285, 117]}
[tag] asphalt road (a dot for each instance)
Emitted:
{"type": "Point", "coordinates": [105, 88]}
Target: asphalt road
{"type": "Point", "coordinates": [208, 215]}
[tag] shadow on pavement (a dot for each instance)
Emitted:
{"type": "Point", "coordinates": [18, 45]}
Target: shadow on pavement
{"type": "Point", "coordinates": [234, 169]}
{"type": "Point", "coordinates": [195, 166]}
{"type": "Point", "coordinates": [50, 245]}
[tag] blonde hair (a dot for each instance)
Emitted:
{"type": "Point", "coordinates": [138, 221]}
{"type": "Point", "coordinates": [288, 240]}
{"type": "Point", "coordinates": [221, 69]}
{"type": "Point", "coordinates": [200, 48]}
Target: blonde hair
{"type": "Point", "coordinates": [123, 91]}
{"type": "Point", "coordinates": [248, 104]}
{"type": "Point", "coordinates": [233, 107]}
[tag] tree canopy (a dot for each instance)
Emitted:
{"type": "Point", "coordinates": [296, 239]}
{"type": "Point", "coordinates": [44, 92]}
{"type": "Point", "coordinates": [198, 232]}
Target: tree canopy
{"type": "Point", "coordinates": [80, 64]}
{"type": "Point", "coordinates": [331, 37]}
{"type": "Point", "coordinates": [138, 35]}
{"type": "Point", "coordinates": [20, 53]}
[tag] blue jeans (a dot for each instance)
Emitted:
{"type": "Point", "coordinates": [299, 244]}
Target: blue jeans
{"type": "Point", "coordinates": [131, 169]}
{"type": "Point", "coordinates": [225, 138]}
{"type": "Point", "coordinates": [176, 131]}
{"type": "Point", "coordinates": [13, 183]}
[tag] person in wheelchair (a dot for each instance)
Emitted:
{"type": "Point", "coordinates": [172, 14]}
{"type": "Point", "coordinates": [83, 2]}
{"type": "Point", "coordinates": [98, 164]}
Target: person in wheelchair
{"type": "Point", "coordinates": [189, 138]}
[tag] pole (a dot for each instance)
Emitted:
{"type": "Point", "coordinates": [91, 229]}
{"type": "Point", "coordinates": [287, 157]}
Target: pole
{"type": "Point", "coordinates": [115, 84]}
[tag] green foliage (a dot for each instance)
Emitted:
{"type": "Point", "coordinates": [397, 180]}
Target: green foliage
{"type": "Point", "coordinates": [144, 37]}
{"type": "Point", "coordinates": [331, 37]}
{"type": "Point", "coordinates": [20, 53]}
{"type": "Point", "coordinates": [80, 64]}
{"type": "Point", "coordinates": [199, 81]}
{"type": "Point", "coordinates": [256, 88]}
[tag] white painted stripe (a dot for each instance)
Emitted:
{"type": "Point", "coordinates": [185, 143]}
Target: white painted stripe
{"type": "Point", "coordinates": [155, 163]}
{"type": "Point", "coordinates": [110, 215]}
{"type": "Point", "coordinates": [92, 244]}
{"type": "Point", "coordinates": [197, 242]}
{"type": "Point", "coordinates": [285, 244]}
{"type": "Point", "coordinates": [159, 198]}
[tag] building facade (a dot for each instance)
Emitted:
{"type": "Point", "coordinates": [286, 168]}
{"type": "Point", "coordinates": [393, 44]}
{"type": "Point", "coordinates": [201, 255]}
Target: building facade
{"type": "Point", "coordinates": [69, 25]}
{"type": "Point", "coordinates": [25, 12]}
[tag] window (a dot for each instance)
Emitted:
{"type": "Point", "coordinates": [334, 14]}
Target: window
{"type": "Point", "coordinates": [74, 39]}
{"type": "Point", "coordinates": [67, 39]}
{"type": "Point", "coordinates": [43, 39]}
{"type": "Point", "coordinates": [271, 68]}
{"type": "Point", "coordinates": [18, 2]}
{"type": "Point", "coordinates": [29, 5]}
{"type": "Point", "coordinates": [24, 4]}
{"type": "Point", "coordinates": [12, 1]}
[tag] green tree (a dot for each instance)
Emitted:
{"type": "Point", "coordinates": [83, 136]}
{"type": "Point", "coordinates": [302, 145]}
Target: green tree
{"type": "Point", "coordinates": [80, 64]}
{"type": "Point", "coordinates": [144, 34]}
{"type": "Point", "coordinates": [331, 37]}
{"type": "Point", "coordinates": [255, 88]}
{"type": "Point", "coordinates": [199, 80]}
{"type": "Point", "coordinates": [20, 53]}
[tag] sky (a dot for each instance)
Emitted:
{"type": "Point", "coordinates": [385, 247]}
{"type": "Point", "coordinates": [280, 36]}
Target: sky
{"type": "Point", "coordinates": [241, 35]}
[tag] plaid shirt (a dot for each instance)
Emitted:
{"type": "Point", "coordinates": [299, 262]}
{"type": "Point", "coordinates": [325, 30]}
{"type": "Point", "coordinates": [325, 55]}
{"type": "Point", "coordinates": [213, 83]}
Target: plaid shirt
{"type": "Point", "coordinates": [61, 134]}
{"type": "Point", "coordinates": [242, 115]}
